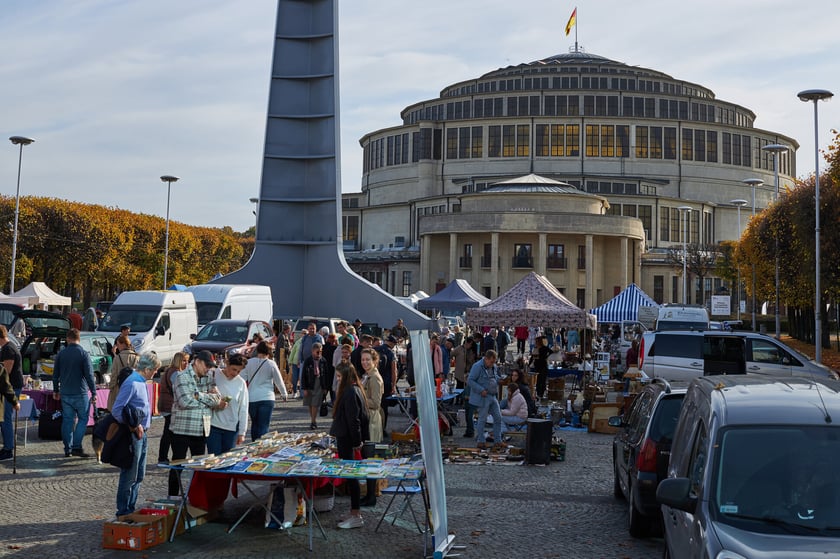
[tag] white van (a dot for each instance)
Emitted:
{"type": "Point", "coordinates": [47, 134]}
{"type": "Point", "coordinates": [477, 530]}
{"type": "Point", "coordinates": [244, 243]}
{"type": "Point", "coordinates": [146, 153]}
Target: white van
{"type": "Point", "coordinates": [239, 302]}
{"type": "Point", "coordinates": [160, 321]}
{"type": "Point", "coordinates": [682, 317]}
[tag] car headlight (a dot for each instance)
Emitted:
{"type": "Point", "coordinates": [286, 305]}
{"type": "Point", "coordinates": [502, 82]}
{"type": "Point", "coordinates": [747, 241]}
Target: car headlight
{"type": "Point", "coordinates": [138, 343]}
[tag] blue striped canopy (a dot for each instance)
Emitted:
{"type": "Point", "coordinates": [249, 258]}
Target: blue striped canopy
{"type": "Point", "coordinates": [624, 306]}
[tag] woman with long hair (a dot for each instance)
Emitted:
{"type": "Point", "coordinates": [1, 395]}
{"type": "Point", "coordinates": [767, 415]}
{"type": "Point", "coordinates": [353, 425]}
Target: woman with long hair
{"type": "Point", "coordinates": [179, 363]}
{"type": "Point", "coordinates": [350, 428]}
{"type": "Point", "coordinates": [374, 388]}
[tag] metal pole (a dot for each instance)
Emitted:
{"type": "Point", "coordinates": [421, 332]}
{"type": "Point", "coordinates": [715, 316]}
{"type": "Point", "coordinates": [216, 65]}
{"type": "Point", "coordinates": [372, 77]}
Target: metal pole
{"type": "Point", "coordinates": [817, 313]}
{"type": "Point", "coordinates": [166, 250]}
{"type": "Point", "coordinates": [17, 214]}
{"type": "Point", "coordinates": [685, 258]}
{"type": "Point", "coordinates": [776, 243]}
{"type": "Point", "coordinates": [738, 267]}
{"type": "Point", "coordinates": [816, 95]}
{"type": "Point", "coordinates": [168, 179]}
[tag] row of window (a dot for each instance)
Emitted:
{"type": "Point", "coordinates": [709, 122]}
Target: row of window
{"type": "Point", "coordinates": [711, 286]}
{"type": "Point", "coordinates": [564, 140]}
{"type": "Point", "coordinates": [580, 105]}
{"type": "Point", "coordinates": [523, 256]}
{"type": "Point", "coordinates": [528, 83]}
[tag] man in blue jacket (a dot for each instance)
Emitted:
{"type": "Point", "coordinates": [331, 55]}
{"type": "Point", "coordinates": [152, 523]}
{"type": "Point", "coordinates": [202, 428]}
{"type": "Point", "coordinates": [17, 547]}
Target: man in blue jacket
{"type": "Point", "coordinates": [72, 379]}
{"type": "Point", "coordinates": [484, 391]}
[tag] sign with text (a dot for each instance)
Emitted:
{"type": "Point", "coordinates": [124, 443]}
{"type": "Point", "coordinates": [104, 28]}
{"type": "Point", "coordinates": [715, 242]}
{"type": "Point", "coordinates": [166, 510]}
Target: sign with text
{"type": "Point", "coordinates": [720, 305]}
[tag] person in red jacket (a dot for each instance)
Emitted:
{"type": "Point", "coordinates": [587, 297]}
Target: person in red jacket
{"type": "Point", "coordinates": [521, 335]}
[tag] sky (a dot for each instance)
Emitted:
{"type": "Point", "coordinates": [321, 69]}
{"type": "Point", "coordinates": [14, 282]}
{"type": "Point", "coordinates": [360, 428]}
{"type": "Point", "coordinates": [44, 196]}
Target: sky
{"type": "Point", "coordinates": [117, 93]}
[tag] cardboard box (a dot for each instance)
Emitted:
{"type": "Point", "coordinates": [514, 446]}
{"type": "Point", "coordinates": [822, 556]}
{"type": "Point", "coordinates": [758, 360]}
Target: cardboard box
{"type": "Point", "coordinates": [134, 532]}
{"type": "Point", "coordinates": [599, 415]}
{"type": "Point", "coordinates": [197, 516]}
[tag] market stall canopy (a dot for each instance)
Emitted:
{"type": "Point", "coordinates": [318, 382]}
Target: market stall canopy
{"type": "Point", "coordinates": [45, 295]}
{"type": "Point", "coordinates": [23, 302]}
{"type": "Point", "coordinates": [624, 306]}
{"type": "Point", "coordinates": [455, 297]}
{"type": "Point", "coordinates": [533, 301]}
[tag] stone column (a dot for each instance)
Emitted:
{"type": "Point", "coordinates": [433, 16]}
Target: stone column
{"type": "Point", "coordinates": [453, 257]}
{"type": "Point", "coordinates": [425, 259]}
{"type": "Point", "coordinates": [625, 265]}
{"type": "Point", "coordinates": [494, 265]}
{"type": "Point", "coordinates": [590, 276]}
{"type": "Point", "coordinates": [542, 253]}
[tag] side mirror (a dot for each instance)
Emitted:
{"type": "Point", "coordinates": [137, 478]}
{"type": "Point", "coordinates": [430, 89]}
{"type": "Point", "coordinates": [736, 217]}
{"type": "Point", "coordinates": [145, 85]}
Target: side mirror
{"type": "Point", "coordinates": [615, 421]}
{"type": "Point", "coordinates": [675, 492]}
{"type": "Point", "coordinates": [160, 331]}
{"type": "Point", "coordinates": [192, 336]}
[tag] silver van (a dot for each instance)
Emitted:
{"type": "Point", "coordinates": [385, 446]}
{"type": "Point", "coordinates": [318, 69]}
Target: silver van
{"type": "Point", "coordinates": [752, 471]}
{"type": "Point", "coordinates": [686, 354]}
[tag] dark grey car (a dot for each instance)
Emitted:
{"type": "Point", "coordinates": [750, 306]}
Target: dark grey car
{"type": "Point", "coordinates": [753, 470]}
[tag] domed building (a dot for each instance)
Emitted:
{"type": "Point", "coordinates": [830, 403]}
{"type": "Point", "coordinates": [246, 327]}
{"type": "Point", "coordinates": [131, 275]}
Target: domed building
{"type": "Point", "coordinates": [578, 167]}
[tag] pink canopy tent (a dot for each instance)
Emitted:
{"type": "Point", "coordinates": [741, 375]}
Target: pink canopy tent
{"type": "Point", "coordinates": [531, 302]}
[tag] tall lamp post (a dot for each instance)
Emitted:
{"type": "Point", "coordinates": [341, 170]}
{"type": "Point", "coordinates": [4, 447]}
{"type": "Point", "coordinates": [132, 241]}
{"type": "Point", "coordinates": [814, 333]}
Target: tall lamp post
{"type": "Point", "coordinates": [168, 179]}
{"type": "Point", "coordinates": [753, 183]}
{"type": "Point", "coordinates": [18, 141]}
{"type": "Point", "coordinates": [816, 95]}
{"type": "Point", "coordinates": [776, 150]}
{"type": "Point", "coordinates": [739, 203]}
{"type": "Point", "coordinates": [684, 212]}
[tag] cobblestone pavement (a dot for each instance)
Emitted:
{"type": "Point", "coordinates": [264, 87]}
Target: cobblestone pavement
{"type": "Point", "coordinates": [55, 506]}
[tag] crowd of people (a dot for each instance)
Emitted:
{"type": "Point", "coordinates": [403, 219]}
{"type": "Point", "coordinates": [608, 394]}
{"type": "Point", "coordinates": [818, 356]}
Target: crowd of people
{"type": "Point", "coordinates": [210, 406]}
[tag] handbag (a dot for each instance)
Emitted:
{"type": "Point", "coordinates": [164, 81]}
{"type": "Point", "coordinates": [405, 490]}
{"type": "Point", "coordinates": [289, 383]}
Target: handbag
{"type": "Point", "coordinates": [325, 411]}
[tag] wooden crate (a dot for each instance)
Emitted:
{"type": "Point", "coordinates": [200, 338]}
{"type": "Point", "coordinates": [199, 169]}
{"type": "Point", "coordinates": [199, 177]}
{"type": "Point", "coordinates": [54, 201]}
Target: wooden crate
{"type": "Point", "coordinates": [599, 415]}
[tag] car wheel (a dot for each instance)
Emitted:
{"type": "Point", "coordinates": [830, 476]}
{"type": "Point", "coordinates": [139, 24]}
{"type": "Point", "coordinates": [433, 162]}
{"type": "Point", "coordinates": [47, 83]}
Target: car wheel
{"type": "Point", "coordinates": [639, 524]}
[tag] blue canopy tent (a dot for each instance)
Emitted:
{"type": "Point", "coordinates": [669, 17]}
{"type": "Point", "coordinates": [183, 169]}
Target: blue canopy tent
{"type": "Point", "coordinates": [456, 297]}
{"type": "Point", "coordinates": [624, 306]}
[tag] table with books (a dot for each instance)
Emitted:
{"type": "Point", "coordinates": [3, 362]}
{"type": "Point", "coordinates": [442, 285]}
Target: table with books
{"type": "Point", "coordinates": [445, 405]}
{"type": "Point", "coordinates": [307, 459]}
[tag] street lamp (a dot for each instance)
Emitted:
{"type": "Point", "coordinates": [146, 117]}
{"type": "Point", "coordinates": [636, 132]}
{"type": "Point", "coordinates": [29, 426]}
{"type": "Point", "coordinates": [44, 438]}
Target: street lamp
{"type": "Point", "coordinates": [18, 141]}
{"type": "Point", "coordinates": [816, 95]}
{"type": "Point", "coordinates": [684, 213]}
{"type": "Point", "coordinates": [776, 150]}
{"type": "Point", "coordinates": [739, 203]}
{"type": "Point", "coordinates": [168, 179]}
{"type": "Point", "coordinates": [754, 183]}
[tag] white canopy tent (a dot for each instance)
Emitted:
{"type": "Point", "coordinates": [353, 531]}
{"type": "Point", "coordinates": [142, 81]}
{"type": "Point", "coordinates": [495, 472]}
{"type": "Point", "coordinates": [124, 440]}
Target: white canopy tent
{"type": "Point", "coordinates": [43, 295]}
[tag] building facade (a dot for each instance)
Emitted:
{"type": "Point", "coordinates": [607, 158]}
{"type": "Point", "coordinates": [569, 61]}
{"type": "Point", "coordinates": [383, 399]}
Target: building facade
{"type": "Point", "coordinates": [578, 167]}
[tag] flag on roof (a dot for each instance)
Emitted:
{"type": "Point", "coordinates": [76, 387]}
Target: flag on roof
{"type": "Point", "coordinates": [572, 21]}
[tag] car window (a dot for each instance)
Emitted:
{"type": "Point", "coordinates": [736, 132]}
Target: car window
{"type": "Point", "coordinates": [697, 463]}
{"type": "Point", "coordinates": [264, 331]}
{"type": "Point", "coordinates": [639, 415]}
{"type": "Point", "coordinates": [99, 346]}
{"type": "Point", "coordinates": [164, 322]}
{"type": "Point", "coordinates": [765, 351]}
{"type": "Point", "coordinates": [678, 345]}
{"type": "Point", "coordinates": [226, 313]}
{"type": "Point", "coordinates": [664, 421]}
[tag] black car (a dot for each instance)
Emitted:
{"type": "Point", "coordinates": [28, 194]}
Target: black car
{"type": "Point", "coordinates": [226, 336]}
{"type": "Point", "coordinates": [641, 451]}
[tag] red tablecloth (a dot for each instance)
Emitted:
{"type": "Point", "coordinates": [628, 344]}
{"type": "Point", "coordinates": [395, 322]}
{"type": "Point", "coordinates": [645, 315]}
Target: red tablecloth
{"type": "Point", "coordinates": [209, 490]}
{"type": "Point", "coordinates": [43, 399]}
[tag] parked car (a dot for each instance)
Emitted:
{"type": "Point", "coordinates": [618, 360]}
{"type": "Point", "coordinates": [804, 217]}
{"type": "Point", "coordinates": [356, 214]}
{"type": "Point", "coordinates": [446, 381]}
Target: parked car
{"type": "Point", "coordinates": [684, 355]}
{"type": "Point", "coordinates": [98, 347]}
{"type": "Point", "coordinates": [46, 335]}
{"type": "Point", "coordinates": [303, 322]}
{"type": "Point", "coordinates": [223, 337]}
{"type": "Point", "coordinates": [641, 450]}
{"type": "Point", "coordinates": [753, 470]}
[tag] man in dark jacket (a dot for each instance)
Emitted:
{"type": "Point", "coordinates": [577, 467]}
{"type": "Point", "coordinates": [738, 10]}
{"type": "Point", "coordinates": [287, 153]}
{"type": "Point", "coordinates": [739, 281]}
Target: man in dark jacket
{"type": "Point", "coordinates": [313, 382]}
{"type": "Point", "coordinates": [72, 379]}
{"type": "Point", "coordinates": [10, 359]}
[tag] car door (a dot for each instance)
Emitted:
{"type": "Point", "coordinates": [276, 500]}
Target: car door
{"type": "Point", "coordinates": [631, 437]}
{"type": "Point", "coordinates": [766, 356]}
{"type": "Point", "coordinates": [685, 531]}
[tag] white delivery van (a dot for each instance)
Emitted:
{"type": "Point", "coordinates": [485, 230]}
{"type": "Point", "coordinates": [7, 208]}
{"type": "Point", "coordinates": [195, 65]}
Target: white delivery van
{"type": "Point", "coordinates": [239, 302]}
{"type": "Point", "coordinates": [160, 321]}
{"type": "Point", "coordinates": [682, 317]}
